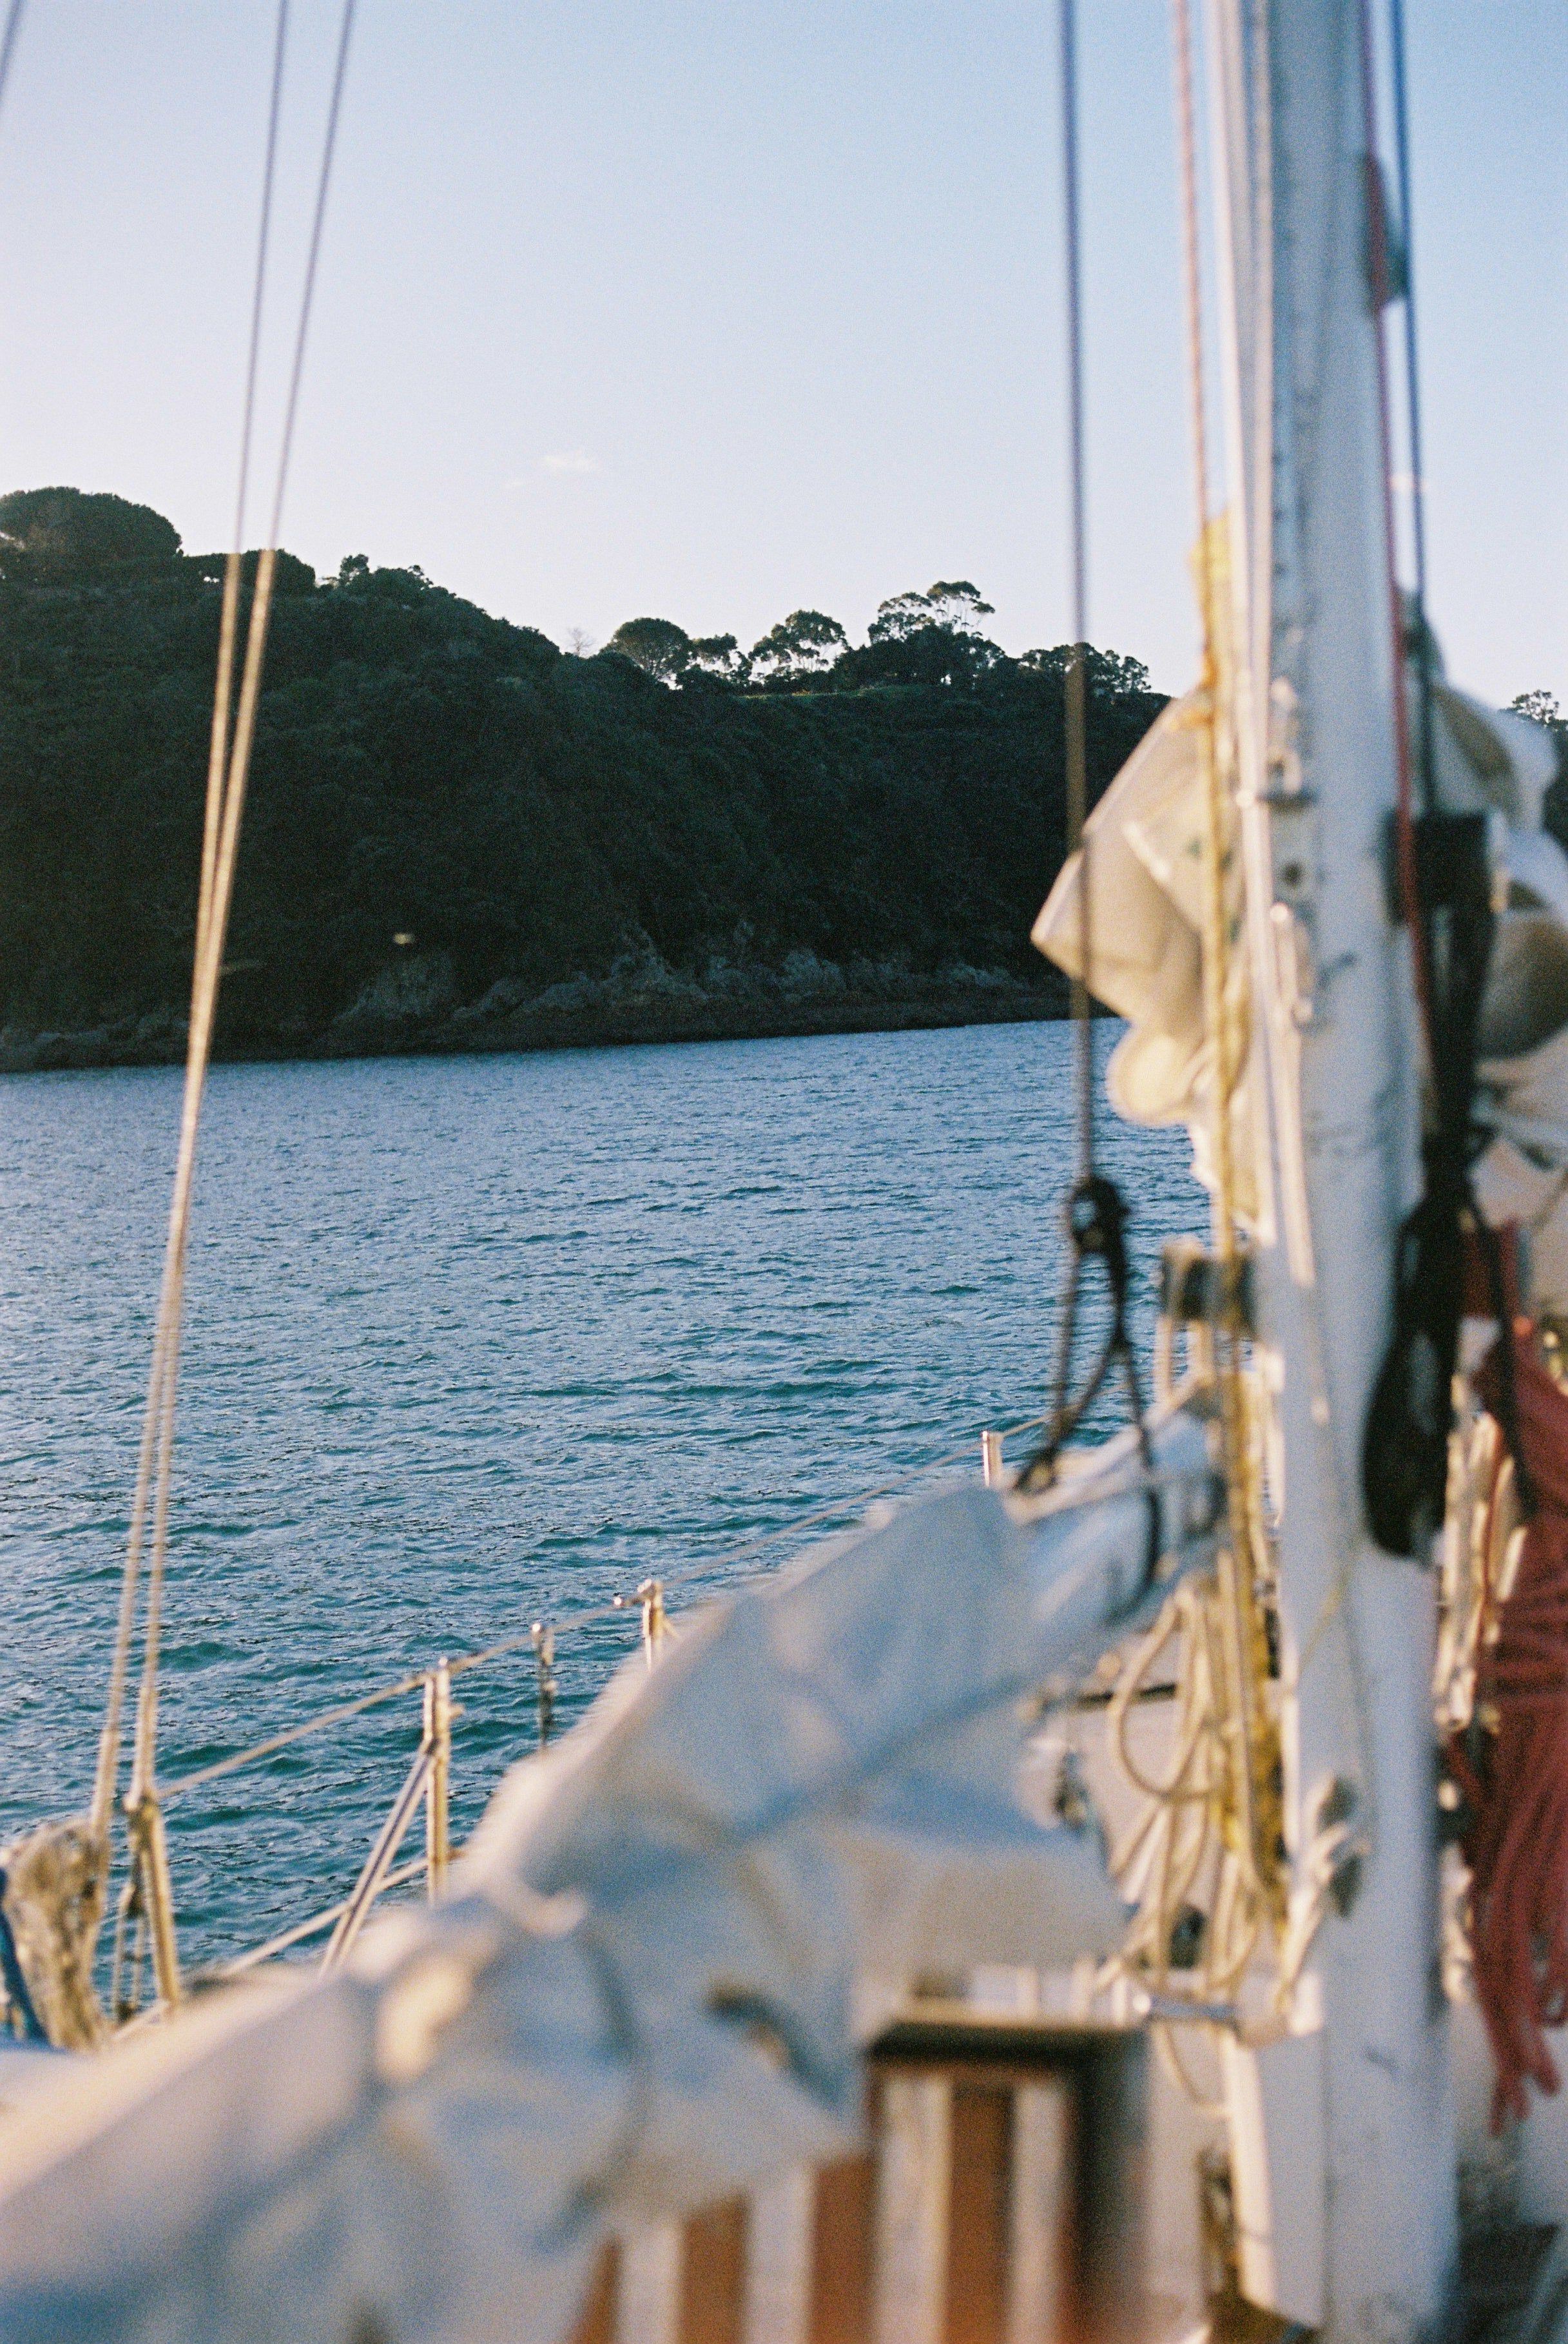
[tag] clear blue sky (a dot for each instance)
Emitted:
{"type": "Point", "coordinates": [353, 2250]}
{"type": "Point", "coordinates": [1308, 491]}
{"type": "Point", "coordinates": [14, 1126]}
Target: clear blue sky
{"type": "Point", "coordinates": [711, 308]}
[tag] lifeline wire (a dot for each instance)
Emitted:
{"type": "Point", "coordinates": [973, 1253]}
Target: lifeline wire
{"type": "Point", "coordinates": [617, 1608]}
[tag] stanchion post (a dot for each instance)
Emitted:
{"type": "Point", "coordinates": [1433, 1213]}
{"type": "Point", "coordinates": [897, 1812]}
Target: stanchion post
{"type": "Point", "coordinates": [544, 1664]}
{"type": "Point", "coordinates": [650, 1596]}
{"type": "Point", "coordinates": [438, 1742]}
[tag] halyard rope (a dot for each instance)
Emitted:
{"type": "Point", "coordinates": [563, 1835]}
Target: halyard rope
{"type": "Point", "coordinates": [1243, 1650]}
{"type": "Point", "coordinates": [1201, 1853]}
{"type": "Point", "coordinates": [228, 772]}
{"type": "Point", "coordinates": [157, 1420]}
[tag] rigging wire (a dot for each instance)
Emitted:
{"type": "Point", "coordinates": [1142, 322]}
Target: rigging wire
{"type": "Point", "coordinates": [1446, 885]}
{"type": "Point", "coordinates": [1412, 404]}
{"type": "Point", "coordinates": [1076, 694]}
{"type": "Point", "coordinates": [223, 693]}
{"type": "Point", "coordinates": [307, 296]}
{"type": "Point", "coordinates": [208, 970]}
{"type": "Point", "coordinates": [1382, 293]}
{"type": "Point", "coordinates": [8, 43]}
{"type": "Point", "coordinates": [1096, 1213]}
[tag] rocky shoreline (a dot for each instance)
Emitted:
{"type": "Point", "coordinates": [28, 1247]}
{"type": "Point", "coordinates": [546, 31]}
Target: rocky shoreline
{"type": "Point", "coordinates": [410, 1009]}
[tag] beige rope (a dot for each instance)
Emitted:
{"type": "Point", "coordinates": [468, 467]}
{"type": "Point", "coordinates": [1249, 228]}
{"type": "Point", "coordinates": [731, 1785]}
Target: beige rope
{"type": "Point", "coordinates": [229, 771]}
{"type": "Point", "coordinates": [1253, 1771]}
{"type": "Point", "coordinates": [1208, 1833]}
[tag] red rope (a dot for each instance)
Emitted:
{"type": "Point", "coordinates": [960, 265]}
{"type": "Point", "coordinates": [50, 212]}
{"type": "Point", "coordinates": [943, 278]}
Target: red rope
{"type": "Point", "coordinates": [1514, 1771]}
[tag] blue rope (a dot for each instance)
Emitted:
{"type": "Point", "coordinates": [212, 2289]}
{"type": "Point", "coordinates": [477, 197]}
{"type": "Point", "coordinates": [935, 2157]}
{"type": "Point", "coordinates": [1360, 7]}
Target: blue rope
{"type": "Point", "coordinates": [14, 1983]}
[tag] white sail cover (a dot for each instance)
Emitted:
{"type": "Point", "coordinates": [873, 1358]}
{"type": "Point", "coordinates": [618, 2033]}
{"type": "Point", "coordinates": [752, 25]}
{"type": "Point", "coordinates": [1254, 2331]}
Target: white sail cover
{"type": "Point", "coordinates": [1147, 845]}
{"type": "Point", "coordinates": [650, 1983]}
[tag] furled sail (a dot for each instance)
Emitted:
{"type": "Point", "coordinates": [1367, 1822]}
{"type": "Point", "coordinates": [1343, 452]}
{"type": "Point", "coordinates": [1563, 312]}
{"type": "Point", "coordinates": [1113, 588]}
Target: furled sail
{"type": "Point", "coordinates": [1145, 862]}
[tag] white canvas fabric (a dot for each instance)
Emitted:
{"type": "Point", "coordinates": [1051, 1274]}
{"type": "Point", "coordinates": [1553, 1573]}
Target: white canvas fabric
{"type": "Point", "coordinates": [641, 1994]}
{"type": "Point", "coordinates": [1147, 842]}
{"type": "Point", "coordinates": [1146, 848]}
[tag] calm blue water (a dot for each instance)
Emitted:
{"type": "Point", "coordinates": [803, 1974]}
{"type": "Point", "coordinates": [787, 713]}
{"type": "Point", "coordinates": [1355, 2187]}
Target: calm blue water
{"type": "Point", "coordinates": [472, 1341]}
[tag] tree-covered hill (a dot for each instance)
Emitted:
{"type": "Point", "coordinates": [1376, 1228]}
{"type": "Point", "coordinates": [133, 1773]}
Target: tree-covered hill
{"type": "Point", "coordinates": [459, 836]}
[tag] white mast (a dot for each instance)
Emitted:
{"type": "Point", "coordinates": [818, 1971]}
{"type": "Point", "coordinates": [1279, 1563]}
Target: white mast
{"type": "Point", "coordinates": [1334, 1048]}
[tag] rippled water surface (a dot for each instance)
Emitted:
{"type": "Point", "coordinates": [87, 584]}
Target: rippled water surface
{"type": "Point", "coordinates": [473, 1341]}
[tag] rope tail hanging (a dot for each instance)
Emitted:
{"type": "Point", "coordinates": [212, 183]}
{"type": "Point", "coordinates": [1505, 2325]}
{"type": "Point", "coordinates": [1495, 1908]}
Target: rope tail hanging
{"type": "Point", "coordinates": [1095, 1214]}
{"type": "Point", "coordinates": [229, 769]}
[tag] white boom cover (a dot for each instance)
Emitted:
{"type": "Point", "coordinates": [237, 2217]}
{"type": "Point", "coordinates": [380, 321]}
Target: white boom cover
{"type": "Point", "coordinates": [649, 1985]}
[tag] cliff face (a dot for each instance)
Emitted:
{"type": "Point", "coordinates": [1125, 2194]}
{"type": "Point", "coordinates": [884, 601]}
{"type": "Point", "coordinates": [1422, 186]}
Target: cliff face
{"type": "Point", "coordinates": [459, 838]}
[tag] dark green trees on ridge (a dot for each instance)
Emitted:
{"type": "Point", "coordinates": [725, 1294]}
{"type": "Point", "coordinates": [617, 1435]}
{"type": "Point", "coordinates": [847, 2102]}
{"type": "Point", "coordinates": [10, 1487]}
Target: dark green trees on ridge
{"type": "Point", "coordinates": [423, 770]}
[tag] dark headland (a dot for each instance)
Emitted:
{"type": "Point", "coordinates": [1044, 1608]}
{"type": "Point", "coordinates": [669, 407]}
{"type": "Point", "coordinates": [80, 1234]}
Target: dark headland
{"type": "Point", "coordinates": [460, 838]}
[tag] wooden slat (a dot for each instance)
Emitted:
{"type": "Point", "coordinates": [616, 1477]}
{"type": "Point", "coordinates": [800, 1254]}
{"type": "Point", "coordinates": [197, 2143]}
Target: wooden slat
{"type": "Point", "coordinates": [999, 2206]}
{"type": "Point", "coordinates": [596, 2324]}
{"type": "Point", "coordinates": [1103, 2298]}
{"type": "Point", "coordinates": [713, 2275]}
{"type": "Point", "coordinates": [914, 2181]}
{"type": "Point", "coordinates": [1041, 2209]}
{"type": "Point", "coordinates": [978, 2205]}
{"type": "Point", "coordinates": [841, 2272]}
{"type": "Point", "coordinates": [648, 2300]}
{"type": "Point", "coordinates": [779, 2260]}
